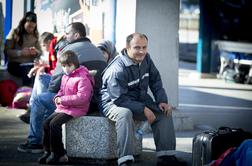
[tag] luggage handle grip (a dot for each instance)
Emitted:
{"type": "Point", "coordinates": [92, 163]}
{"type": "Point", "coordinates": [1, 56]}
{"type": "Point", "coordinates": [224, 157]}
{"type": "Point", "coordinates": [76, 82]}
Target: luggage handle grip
{"type": "Point", "coordinates": [224, 130]}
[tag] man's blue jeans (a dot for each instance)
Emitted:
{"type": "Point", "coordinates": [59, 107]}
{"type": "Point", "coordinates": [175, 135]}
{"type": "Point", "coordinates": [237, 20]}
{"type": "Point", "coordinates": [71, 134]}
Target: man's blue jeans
{"type": "Point", "coordinates": [41, 84]}
{"type": "Point", "coordinates": [42, 107]}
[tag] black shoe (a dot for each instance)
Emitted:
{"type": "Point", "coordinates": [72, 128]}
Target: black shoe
{"type": "Point", "coordinates": [170, 161]}
{"type": "Point", "coordinates": [25, 117]}
{"type": "Point", "coordinates": [127, 163]}
{"type": "Point", "coordinates": [30, 148]}
{"type": "Point", "coordinates": [55, 159]}
{"type": "Point", "coordinates": [42, 159]}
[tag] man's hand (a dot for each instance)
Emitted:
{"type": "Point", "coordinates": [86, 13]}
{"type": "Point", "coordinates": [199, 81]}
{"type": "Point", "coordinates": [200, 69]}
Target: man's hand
{"type": "Point", "coordinates": [166, 108]}
{"type": "Point", "coordinates": [149, 115]}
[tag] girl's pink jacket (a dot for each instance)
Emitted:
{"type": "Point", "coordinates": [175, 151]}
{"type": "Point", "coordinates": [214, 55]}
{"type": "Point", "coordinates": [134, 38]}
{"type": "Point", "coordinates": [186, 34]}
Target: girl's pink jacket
{"type": "Point", "coordinates": [76, 91]}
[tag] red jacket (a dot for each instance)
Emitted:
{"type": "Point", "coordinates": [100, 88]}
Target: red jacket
{"type": "Point", "coordinates": [52, 57]}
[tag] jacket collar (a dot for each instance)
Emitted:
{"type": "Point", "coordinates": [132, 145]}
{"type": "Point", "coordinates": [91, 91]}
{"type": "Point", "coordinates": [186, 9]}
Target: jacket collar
{"type": "Point", "coordinates": [81, 40]}
{"type": "Point", "coordinates": [76, 71]}
{"type": "Point", "coordinates": [125, 58]}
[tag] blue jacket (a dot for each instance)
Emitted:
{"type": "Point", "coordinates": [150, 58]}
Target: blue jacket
{"type": "Point", "coordinates": [125, 84]}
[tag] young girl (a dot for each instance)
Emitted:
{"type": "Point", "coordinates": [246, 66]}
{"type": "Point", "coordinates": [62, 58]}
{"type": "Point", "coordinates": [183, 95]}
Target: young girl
{"type": "Point", "coordinates": [72, 101]}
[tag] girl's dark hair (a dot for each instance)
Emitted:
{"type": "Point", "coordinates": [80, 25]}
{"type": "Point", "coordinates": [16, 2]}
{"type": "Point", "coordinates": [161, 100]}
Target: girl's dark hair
{"type": "Point", "coordinates": [68, 58]}
{"type": "Point", "coordinates": [45, 37]}
{"type": "Point", "coordinates": [20, 30]}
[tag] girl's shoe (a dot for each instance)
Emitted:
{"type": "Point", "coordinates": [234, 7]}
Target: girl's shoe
{"type": "Point", "coordinates": [42, 159]}
{"type": "Point", "coordinates": [55, 159]}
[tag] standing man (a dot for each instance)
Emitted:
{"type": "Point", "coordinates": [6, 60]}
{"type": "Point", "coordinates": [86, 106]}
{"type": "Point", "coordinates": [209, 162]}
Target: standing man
{"type": "Point", "coordinates": [124, 98]}
{"type": "Point", "coordinates": [43, 105]}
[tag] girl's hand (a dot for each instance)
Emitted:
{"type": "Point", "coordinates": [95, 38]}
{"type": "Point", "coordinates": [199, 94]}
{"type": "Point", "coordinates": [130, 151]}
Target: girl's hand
{"type": "Point", "coordinates": [32, 72]}
{"type": "Point", "coordinates": [57, 100]}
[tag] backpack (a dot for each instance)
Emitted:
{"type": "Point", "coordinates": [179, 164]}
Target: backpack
{"type": "Point", "coordinates": [225, 159]}
{"type": "Point", "coordinates": [22, 97]}
{"type": "Point", "coordinates": [8, 89]}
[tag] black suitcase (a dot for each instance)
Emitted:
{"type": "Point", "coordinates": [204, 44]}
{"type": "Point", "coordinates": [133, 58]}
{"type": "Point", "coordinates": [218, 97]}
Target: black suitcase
{"type": "Point", "coordinates": [209, 145]}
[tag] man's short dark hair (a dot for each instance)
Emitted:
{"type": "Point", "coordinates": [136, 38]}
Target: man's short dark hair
{"type": "Point", "coordinates": [79, 28]}
{"type": "Point", "coordinates": [131, 36]}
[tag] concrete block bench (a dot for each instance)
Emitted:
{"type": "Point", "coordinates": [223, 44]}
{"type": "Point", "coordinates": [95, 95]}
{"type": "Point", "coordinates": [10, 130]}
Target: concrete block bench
{"type": "Point", "coordinates": [93, 137]}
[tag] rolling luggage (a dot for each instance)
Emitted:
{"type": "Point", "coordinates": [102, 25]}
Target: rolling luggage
{"type": "Point", "coordinates": [209, 145]}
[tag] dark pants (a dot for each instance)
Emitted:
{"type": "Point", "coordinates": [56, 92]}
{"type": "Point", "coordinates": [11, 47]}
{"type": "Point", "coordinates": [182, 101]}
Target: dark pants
{"type": "Point", "coordinates": [52, 139]}
{"type": "Point", "coordinates": [19, 70]}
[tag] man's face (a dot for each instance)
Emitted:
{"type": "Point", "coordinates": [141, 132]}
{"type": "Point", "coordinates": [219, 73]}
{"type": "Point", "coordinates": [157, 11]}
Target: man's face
{"type": "Point", "coordinates": [70, 35]}
{"type": "Point", "coordinates": [137, 49]}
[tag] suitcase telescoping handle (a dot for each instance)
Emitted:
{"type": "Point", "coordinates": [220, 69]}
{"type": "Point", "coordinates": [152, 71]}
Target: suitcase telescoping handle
{"type": "Point", "coordinates": [224, 130]}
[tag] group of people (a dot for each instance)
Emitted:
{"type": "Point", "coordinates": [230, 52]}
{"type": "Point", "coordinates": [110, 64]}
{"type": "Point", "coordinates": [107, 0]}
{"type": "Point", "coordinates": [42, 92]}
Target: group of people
{"type": "Point", "coordinates": [80, 77]}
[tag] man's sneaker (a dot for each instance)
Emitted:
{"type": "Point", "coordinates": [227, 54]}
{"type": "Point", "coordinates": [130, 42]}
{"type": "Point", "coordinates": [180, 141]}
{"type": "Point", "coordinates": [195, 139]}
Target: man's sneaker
{"type": "Point", "coordinates": [30, 148]}
{"type": "Point", "coordinates": [25, 117]}
{"type": "Point", "coordinates": [170, 161]}
{"type": "Point", "coordinates": [55, 159]}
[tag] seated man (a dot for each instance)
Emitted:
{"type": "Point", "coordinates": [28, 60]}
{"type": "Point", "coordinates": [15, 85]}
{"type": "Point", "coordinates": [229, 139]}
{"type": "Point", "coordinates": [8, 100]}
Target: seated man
{"type": "Point", "coordinates": [124, 98]}
{"type": "Point", "coordinates": [43, 105]}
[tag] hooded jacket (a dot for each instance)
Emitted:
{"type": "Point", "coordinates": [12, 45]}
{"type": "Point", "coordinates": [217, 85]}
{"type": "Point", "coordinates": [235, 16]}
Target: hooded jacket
{"type": "Point", "coordinates": [75, 92]}
{"type": "Point", "coordinates": [110, 48]}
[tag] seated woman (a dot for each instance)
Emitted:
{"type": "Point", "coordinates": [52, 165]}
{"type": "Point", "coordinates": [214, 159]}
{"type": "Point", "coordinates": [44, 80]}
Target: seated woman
{"type": "Point", "coordinates": [108, 49]}
{"type": "Point", "coordinates": [22, 47]}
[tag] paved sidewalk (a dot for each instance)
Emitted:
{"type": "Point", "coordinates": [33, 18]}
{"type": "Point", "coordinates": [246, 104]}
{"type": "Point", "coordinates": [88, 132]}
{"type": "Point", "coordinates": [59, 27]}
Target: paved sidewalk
{"type": "Point", "coordinates": [214, 102]}
{"type": "Point", "coordinates": [13, 132]}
